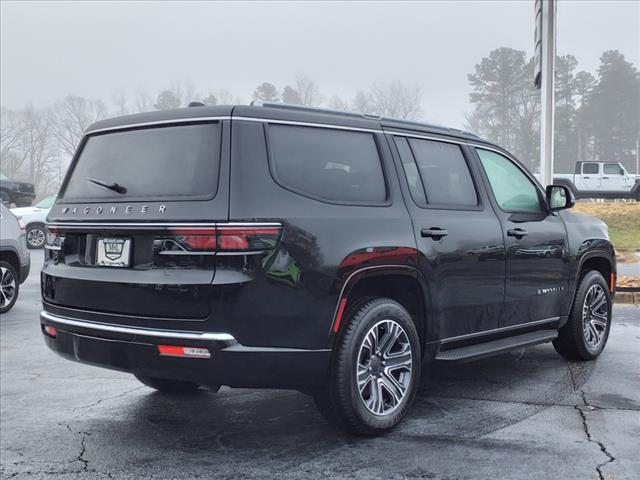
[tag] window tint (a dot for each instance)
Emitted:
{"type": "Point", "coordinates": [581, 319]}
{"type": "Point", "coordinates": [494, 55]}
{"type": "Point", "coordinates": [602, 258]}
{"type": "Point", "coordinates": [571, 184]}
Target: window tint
{"type": "Point", "coordinates": [613, 169]}
{"type": "Point", "coordinates": [512, 189]}
{"type": "Point", "coordinates": [411, 171]}
{"type": "Point", "coordinates": [444, 173]}
{"type": "Point", "coordinates": [153, 162]}
{"type": "Point", "coordinates": [590, 168]}
{"type": "Point", "coordinates": [333, 165]}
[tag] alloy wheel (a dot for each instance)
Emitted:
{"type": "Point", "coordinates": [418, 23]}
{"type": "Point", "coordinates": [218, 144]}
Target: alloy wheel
{"type": "Point", "coordinates": [595, 316]}
{"type": "Point", "coordinates": [35, 237]}
{"type": "Point", "coordinates": [384, 367]}
{"type": "Point", "coordinates": [7, 286]}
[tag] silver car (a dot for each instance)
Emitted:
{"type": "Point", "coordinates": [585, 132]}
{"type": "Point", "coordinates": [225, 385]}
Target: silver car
{"type": "Point", "coordinates": [15, 260]}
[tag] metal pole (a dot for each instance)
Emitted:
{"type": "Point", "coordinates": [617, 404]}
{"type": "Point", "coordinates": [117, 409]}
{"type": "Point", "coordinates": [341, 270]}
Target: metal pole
{"type": "Point", "coordinates": [547, 100]}
{"type": "Point", "coordinates": [638, 157]}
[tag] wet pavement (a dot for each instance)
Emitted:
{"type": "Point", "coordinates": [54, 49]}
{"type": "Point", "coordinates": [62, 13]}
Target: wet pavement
{"type": "Point", "coordinates": [527, 414]}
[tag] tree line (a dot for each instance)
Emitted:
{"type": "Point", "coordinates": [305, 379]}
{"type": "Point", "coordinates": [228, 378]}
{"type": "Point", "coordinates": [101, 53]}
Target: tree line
{"type": "Point", "coordinates": [597, 117]}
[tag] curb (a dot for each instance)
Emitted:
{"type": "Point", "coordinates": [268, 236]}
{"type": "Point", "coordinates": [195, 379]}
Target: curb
{"type": "Point", "coordinates": [628, 297]}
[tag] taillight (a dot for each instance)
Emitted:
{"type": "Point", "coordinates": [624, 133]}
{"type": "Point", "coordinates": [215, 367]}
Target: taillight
{"type": "Point", "coordinates": [226, 238]}
{"type": "Point", "coordinates": [21, 224]}
{"type": "Point", "coordinates": [247, 238]}
{"type": "Point", "coordinates": [195, 239]}
{"type": "Point", "coordinates": [54, 240]}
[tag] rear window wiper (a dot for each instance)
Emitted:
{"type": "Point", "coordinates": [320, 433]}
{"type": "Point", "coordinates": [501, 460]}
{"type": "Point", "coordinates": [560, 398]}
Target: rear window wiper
{"type": "Point", "coordinates": [111, 186]}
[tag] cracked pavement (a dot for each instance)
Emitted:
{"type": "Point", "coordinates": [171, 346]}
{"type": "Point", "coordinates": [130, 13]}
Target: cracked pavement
{"type": "Point", "coordinates": [527, 414]}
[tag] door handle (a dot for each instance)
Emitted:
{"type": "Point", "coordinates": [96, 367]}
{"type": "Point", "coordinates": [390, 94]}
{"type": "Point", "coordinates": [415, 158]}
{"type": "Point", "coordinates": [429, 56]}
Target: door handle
{"type": "Point", "coordinates": [605, 178]}
{"type": "Point", "coordinates": [585, 177]}
{"type": "Point", "coordinates": [434, 232]}
{"type": "Point", "coordinates": [517, 232]}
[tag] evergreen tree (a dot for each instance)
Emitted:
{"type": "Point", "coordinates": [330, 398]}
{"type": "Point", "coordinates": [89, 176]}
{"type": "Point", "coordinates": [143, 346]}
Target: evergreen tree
{"type": "Point", "coordinates": [612, 110]}
{"type": "Point", "coordinates": [266, 92]}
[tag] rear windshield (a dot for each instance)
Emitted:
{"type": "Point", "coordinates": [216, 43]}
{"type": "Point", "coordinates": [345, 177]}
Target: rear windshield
{"type": "Point", "coordinates": [179, 161]}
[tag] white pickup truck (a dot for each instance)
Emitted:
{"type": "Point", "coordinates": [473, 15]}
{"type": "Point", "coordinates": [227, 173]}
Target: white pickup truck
{"type": "Point", "coordinates": [600, 180]}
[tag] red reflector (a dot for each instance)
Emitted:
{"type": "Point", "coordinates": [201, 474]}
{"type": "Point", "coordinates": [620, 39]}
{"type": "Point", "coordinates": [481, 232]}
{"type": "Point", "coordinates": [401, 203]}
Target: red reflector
{"type": "Point", "coordinates": [612, 282]}
{"type": "Point", "coordinates": [336, 324]}
{"type": "Point", "coordinates": [186, 352]}
{"type": "Point", "coordinates": [51, 331]}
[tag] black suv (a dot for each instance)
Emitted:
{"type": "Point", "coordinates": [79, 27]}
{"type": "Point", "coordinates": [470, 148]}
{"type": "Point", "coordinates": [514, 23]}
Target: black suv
{"type": "Point", "coordinates": [333, 253]}
{"type": "Point", "coordinates": [13, 192]}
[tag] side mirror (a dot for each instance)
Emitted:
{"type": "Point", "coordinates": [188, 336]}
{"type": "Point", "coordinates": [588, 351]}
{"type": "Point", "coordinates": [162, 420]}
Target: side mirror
{"type": "Point", "coordinates": [559, 197]}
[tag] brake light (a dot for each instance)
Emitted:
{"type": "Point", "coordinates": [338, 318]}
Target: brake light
{"type": "Point", "coordinates": [196, 239]}
{"type": "Point", "coordinates": [228, 238]}
{"type": "Point", "coordinates": [247, 238]}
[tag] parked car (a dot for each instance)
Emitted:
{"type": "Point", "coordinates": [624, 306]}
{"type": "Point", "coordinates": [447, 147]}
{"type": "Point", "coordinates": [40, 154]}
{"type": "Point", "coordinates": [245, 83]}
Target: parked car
{"type": "Point", "coordinates": [15, 260]}
{"type": "Point", "coordinates": [13, 192]}
{"type": "Point", "coordinates": [333, 253]}
{"type": "Point", "coordinates": [34, 219]}
{"type": "Point", "coordinates": [600, 180]}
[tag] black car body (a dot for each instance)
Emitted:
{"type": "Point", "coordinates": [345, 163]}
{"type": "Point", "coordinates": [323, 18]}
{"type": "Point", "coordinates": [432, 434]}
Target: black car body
{"type": "Point", "coordinates": [252, 233]}
{"type": "Point", "coordinates": [13, 192]}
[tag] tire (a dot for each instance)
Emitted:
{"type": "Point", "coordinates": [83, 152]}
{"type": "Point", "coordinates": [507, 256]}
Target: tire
{"type": "Point", "coordinates": [9, 286]}
{"type": "Point", "coordinates": [165, 385]}
{"type": "Point", "coordinates": [370, 407]}
{"type": "Point", "coordinates": [585, 334]}
{"type": "Point", "coordinates": [36, 236]}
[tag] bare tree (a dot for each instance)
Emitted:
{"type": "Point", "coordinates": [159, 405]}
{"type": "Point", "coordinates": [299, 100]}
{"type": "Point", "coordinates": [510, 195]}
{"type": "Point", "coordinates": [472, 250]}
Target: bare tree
{"type": "Point", "coordinates": [119, 98]}
{"type": "Point", "coordinates": [308, 90]}
{"type": "Point", "coordinates": [338, 103]}
{"type": "Point", "coordinates": [144, 100]}
{"type": "Point", "coordinates": [73, 115]}
{"type": "Point", "coordinates": [11, 133]}
{"type": "Point", "coordinates": [397, 100]}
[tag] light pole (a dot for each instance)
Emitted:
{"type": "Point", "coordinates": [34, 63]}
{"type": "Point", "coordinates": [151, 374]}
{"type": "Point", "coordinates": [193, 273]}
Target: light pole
{"type": "Point", "coordinates": [544, 79]}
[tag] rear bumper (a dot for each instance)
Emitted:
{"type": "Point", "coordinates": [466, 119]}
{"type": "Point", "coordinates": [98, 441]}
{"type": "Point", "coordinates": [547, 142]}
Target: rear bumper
{"type": "Point", "coordinates": [135, 350]}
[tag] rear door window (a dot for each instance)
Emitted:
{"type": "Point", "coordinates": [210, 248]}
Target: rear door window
{"type": "Point", "coordinates": [180, 162]}
{"type": "Point", "coordinates": [332, 165]}
{"type": "Point", "coordinates": [590, 168]}
{"type": "Point", "coordinates": [440, 169]}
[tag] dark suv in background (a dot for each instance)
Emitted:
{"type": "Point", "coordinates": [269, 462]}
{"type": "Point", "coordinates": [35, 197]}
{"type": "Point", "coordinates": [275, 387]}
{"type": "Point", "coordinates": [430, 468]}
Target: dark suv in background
{"type": "Point", "coordinates": [334, 253]}
{"type": "Point", "coordinates": [15, 193]}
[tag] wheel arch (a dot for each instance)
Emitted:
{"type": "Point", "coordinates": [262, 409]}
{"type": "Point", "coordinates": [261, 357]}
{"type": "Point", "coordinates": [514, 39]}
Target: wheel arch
{"type": "Point", "coordinates": [9, 255]}
{"type": "Point", "coordinates": [402, 283]}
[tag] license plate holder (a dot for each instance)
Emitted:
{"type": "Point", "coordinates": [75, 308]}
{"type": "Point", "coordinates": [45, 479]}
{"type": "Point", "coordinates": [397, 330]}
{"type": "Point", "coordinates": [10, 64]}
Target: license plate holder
{"type": "Point", "coordinates": [113, 252]}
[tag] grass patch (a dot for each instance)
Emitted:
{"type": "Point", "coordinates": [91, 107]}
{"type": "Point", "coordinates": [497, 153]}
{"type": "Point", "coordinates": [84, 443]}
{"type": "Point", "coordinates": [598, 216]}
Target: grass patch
{"type": "Point", "coordinates": [623, 220]}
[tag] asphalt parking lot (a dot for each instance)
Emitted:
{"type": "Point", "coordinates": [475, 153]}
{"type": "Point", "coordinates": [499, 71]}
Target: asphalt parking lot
{"type": "Point", "coordinates": [528, 414]}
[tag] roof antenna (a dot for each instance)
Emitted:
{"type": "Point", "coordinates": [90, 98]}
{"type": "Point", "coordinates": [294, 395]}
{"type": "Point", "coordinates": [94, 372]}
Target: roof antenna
{"type": "Point", "coordinates": [197, 104]}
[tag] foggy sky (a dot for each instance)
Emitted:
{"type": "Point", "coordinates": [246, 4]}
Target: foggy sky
{"type": "Point", "coordinates": [51, 49]}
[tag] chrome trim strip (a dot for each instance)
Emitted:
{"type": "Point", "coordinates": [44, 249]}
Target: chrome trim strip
{"type": "Point", "coordinates": [499, 330]}
{"type": "Point", "coordinates": [157, 122]}
{"type": "Point", "coordinates": [148, 332]}
{"type": "Point", "coordinates": [201, 225]}
{"type": "Point", "coordinates": [307, 124]}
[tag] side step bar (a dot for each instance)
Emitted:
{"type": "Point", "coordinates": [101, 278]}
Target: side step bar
{"type": "Point", "coordinates": [496, 347]}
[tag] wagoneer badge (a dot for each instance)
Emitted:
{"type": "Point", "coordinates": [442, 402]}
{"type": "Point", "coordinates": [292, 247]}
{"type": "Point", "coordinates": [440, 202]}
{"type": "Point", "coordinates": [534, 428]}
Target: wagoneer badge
{"type": "Point", "coordinates": [127, 209]}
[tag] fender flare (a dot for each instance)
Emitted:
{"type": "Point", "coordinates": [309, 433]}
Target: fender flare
{"type": "Point", "coordinates": [567, 183]}
{"type": "Point", "coordinates": [378, 271]}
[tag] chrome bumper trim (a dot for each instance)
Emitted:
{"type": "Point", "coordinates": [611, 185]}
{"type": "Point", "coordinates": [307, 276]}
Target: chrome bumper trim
{"type": "Point", "coordinates": [148, 332]}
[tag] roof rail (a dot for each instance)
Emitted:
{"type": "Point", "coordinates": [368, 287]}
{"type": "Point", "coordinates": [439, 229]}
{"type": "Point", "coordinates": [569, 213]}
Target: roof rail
{"type": "Point", "coordinates": [305, 108]}
{"type": "Point", "coordinates": [292, 106]}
